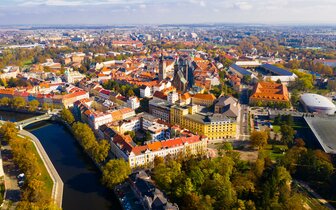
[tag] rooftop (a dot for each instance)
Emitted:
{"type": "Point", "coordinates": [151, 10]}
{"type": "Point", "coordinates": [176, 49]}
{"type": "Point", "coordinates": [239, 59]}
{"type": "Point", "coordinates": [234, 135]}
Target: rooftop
{"type": "Point", "coordinates": [240, 70]}
{"type": "Point", "coordinates": [270, 91]}
{"type": "Point", "coordinates": [315, 100]}
{"type": "Point", "coordinates": [276, 70]}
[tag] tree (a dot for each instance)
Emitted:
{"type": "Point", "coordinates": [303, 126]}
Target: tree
{"type": "Point", "coordinates": [85, 136]}
{"type": "Point", "coordinates": [5, 101]}
{"type": "Point", "coordinates": [130, 93]}
{"type": "Point", "coordinates": [19, 102]}
{"type": "Point", "coordinates": [259, 166]}
{"type": "Point", "coordinates": [45, 106]}
{"type": "Point", "coordinates": [115, 172]}
{"type": "Point", "coordinates": [131, 133]}
{"type": "Point", "coordinates": [227, 146]}
{"type": "Point", "coordinates": [314, 165]}
{"type": "Point", "coordinates": [259, 139]}
{"type": "Point", "coordinates": [148, 136]}
{"type": "Point", "coordinates": [67, 116]}
{"type": "Point", "coordinates": [46, 69]}
{"type": "Point", "coordinates": [34, 190]}
{"type": "Point", "coordinates": [287, 133]}
{"type": "Point", "coordinates": [8, 131]}
{"type": "Point", "coordinates": [247, 79]}
{"type": "Point", "coordinates": [166, 173]}
{"type": "Point", "coordinates": [194, 201]}
{"type": "Point", "coordinates": [33, 105]}
{"type": "Point", "coordinates": [100, 152]}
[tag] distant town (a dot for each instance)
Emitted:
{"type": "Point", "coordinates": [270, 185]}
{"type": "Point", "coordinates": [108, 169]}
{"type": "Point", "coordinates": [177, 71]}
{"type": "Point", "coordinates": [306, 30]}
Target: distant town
{"type": "Point", "coordinates": [172, 116]}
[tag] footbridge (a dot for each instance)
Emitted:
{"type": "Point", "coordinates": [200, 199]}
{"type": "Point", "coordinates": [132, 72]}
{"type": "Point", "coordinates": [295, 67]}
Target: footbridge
{"type": "Point", "coordinates": [47, 116]}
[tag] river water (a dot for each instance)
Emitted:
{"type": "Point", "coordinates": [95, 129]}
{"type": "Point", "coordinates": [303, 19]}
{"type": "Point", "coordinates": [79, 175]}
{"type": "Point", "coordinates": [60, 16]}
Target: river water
{"type": "Point", "coordinates": [82, 187]}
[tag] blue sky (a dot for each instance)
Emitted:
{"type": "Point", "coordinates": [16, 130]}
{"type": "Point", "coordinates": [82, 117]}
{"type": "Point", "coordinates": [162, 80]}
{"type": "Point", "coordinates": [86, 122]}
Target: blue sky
{"type": "Point", "coordinates": [166, 11]}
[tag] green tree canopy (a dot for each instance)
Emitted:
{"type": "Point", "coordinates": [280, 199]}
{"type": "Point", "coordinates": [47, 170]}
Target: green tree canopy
{"type": "Point", "coordinates": [115, 172]}
{"type": "Point", "coordinates": [259, 139]}
{"type": "Point", "coordinates": [67, 116]}
{"type": "Point", "coordinates": [8, 131]}
{"type": "Point", "coordinates": [287, 133]}
{"type": "Point", "coordinates": [18, 103]}
{"type": "Point", "coordinates": [5, 101]}
{"type": "Point", "coordinates": [33, 105]}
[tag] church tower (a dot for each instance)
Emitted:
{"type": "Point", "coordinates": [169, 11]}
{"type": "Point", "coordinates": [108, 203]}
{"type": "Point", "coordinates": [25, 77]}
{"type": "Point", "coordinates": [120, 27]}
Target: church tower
{"type": "Point", "coordinates": [162, 69]}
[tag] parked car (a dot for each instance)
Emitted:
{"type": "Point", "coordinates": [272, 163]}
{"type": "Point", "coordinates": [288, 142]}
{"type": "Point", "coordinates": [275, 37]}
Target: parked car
{"type": "Point", "coordinates": [20, 183]}
{"type": "Point", "coordinates": [21, 176]}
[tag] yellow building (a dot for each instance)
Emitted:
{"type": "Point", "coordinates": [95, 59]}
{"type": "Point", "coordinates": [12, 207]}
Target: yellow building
{"type": "Point", "coordinates": [214, 126]}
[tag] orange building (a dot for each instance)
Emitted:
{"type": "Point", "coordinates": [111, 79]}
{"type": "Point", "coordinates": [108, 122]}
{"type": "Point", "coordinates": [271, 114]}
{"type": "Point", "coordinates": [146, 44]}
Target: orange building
{"type": "Point", "coordinates": [203, 99]}
{"type": "Point", "coordinates": [270, 94]}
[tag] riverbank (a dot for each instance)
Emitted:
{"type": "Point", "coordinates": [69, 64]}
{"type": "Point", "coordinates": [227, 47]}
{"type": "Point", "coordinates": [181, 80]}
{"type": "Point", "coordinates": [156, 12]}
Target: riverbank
{"type": "Point", "coordinates": [21, 111]}
{"type": "Point", "coordinates": [82, 185]}
{"type": "Point", "coordinates": [69, 128]}
{"type": "Point", "coordinates": [57, 190]}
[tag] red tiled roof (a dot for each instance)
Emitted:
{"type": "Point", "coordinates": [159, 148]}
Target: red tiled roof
{"type": "Point", "coordinates": [106, 92]}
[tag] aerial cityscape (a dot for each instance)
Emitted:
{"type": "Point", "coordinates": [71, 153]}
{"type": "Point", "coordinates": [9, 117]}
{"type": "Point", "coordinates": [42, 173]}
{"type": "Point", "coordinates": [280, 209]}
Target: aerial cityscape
{"type": "Point", "coordinates": [167, 105]}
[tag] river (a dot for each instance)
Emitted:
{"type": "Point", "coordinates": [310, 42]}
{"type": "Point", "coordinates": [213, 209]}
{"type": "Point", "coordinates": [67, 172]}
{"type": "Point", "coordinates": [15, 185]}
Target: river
{"type": "Point", "coordinates": [82, 187]}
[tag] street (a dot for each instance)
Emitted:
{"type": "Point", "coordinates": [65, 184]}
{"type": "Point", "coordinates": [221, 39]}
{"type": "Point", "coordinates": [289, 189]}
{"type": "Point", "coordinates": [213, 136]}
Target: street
{"type": "Point", "coordinates": [244, 116]}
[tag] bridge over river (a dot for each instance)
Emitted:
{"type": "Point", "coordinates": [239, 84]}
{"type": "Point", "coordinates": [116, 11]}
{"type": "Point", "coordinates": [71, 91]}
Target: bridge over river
{"type": "Point", "coordinates": [47, 116]}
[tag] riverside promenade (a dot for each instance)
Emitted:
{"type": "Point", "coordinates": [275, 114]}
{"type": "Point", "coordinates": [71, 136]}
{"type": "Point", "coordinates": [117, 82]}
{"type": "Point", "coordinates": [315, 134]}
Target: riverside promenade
{"type": "Point", "coordinates": [57, 191]}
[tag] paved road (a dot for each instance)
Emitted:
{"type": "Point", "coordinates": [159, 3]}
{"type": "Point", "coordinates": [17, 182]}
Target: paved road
{"type": "Point", "coordinates": [12, 194]}
{"type": "Point", "coordinates": [57, 191]}
{"type": "Point", "coordinates": [243, 124]}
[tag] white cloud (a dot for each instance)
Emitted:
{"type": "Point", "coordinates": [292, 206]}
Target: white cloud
{"type": "Point", "coordinates": [78, 2]}
{"type": "Point", "coordinates": [243, 5]}
{"type": "Point", "coordinates": [198, 2]}
{"type": "Point", "coordinates": [166, 11]}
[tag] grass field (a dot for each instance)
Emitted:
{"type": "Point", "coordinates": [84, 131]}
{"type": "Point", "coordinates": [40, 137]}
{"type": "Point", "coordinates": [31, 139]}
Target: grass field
{"type": "Point", "coordinates": [275, 152]}
{"type": "Point", "coordinates": [276, 128]}
{"type": "Point", "coordinates": [28, 62]}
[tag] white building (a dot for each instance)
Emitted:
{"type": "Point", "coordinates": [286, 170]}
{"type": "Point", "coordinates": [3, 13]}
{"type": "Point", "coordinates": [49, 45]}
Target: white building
{"type": "Point", "coordinates": [145, 91]}
{"type": "Point", "coordinates": [172, 97]}
{"type": "Point", "coordinates": [317, 103]}
{"type": "Point", "coordinates": [10, 72]}
{"type": "Point", "coordinates": [131, 124]}
{"type": "Point", "coordinates": [97, 119]}
{"type": "Point", "coordinates": [158, 131]}
{"type": "Point", "coordinates": [143, 155]}
{"type": "Point", "coordinates": [133, 102]}
{"type": "Point", "coordinates": [73, 76]}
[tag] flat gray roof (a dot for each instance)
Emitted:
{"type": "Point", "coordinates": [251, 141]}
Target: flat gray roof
{"type": "Point", "coordinates": [324, 130]}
